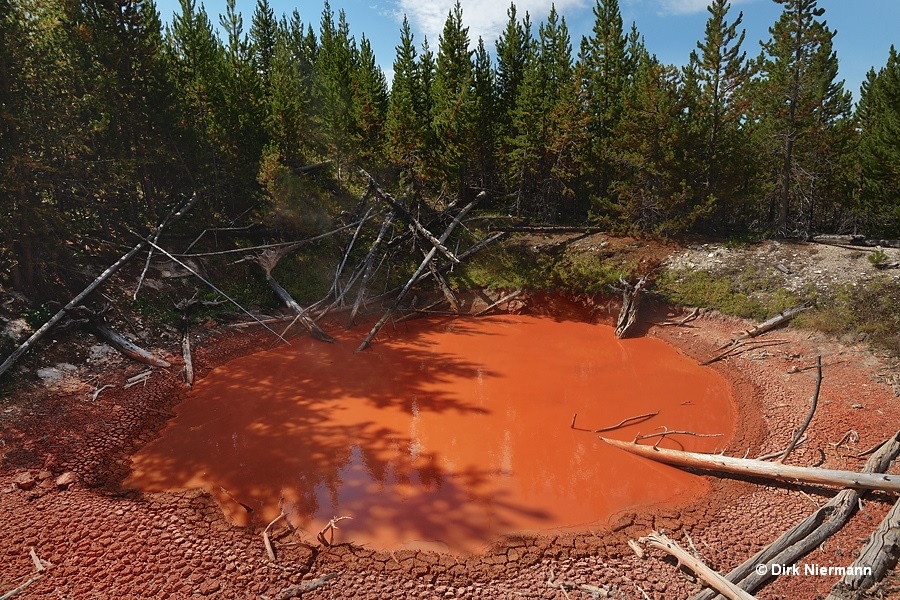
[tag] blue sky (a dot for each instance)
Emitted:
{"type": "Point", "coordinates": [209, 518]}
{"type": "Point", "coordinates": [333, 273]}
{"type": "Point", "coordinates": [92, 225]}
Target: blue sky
{"type": "Point", "coordinates": [671, 28]}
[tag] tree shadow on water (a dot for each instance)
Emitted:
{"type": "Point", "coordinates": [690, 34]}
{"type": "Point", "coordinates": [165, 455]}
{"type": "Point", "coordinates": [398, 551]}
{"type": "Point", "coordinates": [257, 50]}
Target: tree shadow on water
{"type": "Point", "coordinates": [320, 431]}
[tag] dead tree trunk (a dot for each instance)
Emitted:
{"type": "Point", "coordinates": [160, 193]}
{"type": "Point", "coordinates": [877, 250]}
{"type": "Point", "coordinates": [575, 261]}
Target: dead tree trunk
{"type": "Point", "coordinates": [877, 557]}
{"type": "Point", "coordinates": [631, 299]}
{"type": "Point", "coordinates": [760, 468]}
{"type": "Point", "coordinates": [37, 335]}
{"type": "Point", "coordinates": [418, 274]}
{"type": "Point", "coordinates": [811, 532]}
{"type": "Point", "coordinates": [411, 221]}
{"type": "Point", "coordinates": [185, 307]}
{"type": "Point", "coordinates": [268, 260]}
{"type": "Point", "coordinates": [779, 319]}
{"type": "Point", "coordinates": [102, 329]}
{"type": "Point", "coordinates": [368, 267]}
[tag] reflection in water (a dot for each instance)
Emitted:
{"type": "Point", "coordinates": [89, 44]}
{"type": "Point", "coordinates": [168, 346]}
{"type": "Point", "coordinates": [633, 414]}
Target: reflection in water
{"type": "Point", "coordinates": [445, 432]}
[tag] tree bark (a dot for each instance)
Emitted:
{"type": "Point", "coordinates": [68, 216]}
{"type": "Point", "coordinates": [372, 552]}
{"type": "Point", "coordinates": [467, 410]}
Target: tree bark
{"type": "Point", "coordinates": [631, 299]}
{"type": "Point", "coordinates": [760, 468]}
{"type": "Point", "coordinates": [812, 531]}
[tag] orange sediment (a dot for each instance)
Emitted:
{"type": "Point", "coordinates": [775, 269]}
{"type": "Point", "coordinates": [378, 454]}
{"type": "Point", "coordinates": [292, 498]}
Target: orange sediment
{"type": "Point", "coordinates": [444, 434]}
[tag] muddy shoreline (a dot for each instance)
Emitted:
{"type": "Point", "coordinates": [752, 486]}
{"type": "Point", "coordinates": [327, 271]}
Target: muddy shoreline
{"type": "Point", "coordinates": [107, 541]}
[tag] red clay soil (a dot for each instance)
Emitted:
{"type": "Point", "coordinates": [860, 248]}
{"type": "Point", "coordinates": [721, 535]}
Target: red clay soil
{"type": "Point", "coordinates": [105, 541]}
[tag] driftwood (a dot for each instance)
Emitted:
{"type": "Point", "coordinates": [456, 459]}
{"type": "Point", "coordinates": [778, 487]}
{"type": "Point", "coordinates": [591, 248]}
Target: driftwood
{"type": "Point", "coordinates": [103, 331]}
{"type": "Point", "coordinates": [631, 299]}
{"type": "Point", "coordinates": [759, 468]}
{"type": "Point", "coordinates": [812, 531]}
{"type": "Point", "coordinates": [417, 274]}
{"type": "Point", "coordinates": [812, 410]}
{"type": "Point", "coordinates": [779, 319]}
{"type": "Point", "coordinates": [878, 556]}
{"type": "Point", "coordinates": [37, 335]}
{"type": "Point", "coordinates": [268, 260]}
{"type": "Point", "coordinates": [744, 345]}
{"type": "Point", "coordinates": [329, 528]}
{"type": "Point", "coordinates": [728, 589]}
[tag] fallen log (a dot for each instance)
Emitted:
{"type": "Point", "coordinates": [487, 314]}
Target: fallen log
{"type": "Point", "coordinates": [759, 468]}
{"type": "Point", "coordinates": [103, 331]}
{"type": "Point", "coordinates": [662, 542]}
{"type": "Point", "coordinates": [809, 533]}
{"type": "Point", "coordinates": [37, 335]}
{"type": "Point", "coordinates": [631, 298]}
{"type": "Point", "coordinates": [411, 221]}
{"type": "Point", "coordinates": [779, 319]}
{"type": "Point", "coordinates": [267, 261]}
{"type": "Point", "coordinates": [417, 274]}
{"type": "Point", "coordinates": [494, 305]}
{"type": "Point", "coordinates": [368, 267]}
{"type": "Point", "coordinates": [878, 556]}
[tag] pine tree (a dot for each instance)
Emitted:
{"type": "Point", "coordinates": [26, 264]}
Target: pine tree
{"type": "Point", "coordinates": [802, 103]}
{"type": "Point", "coordinates": [547, 117]}
{"type": "Point", "coordinates": [263, 36]}
{"type": "Point", "coordinates": [879, 147]}
{"type": "Point", "coordinates": [406, 119]}
{"type": "Point", "coordinates": [370, 99]}
{"type": "Point", "coordinates": [514, 51]}
{"type": "Point", "coordinates": [452, 108]}
{"type": "Point", "coordinates": [485, 120]}
{"type": "Point", "coordinates": [606, 69]}
{"type": "Point", "coordinates": [714, 81]}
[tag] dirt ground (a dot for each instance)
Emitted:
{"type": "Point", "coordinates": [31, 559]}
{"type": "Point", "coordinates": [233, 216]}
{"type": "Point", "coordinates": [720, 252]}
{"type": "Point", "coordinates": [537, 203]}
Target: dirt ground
{"type": "Point", "coordinates": [105, 541]}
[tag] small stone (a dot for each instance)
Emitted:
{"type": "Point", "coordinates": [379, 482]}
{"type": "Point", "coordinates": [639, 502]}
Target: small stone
{"type": "Point", "coordinates": [24, 481]}
{"type": "Point", "coordinates": [42, 475]}
{"type": "Point", "coordinates": [209, 587]}
{"type": "Point", "coordinates": [66, 479]}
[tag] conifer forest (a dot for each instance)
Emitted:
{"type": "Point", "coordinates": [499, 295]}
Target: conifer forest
{"type": "Point", "coordinates": [109, 118]}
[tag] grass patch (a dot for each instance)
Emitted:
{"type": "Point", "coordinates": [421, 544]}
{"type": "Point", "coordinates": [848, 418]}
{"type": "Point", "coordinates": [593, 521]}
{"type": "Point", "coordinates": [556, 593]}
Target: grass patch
{"type": "Point", "coordinates": [868, 309]}
{"type": "Point", "coordinates": [515, 265]}
{"type": "Point", "coordinates": [745, 293]}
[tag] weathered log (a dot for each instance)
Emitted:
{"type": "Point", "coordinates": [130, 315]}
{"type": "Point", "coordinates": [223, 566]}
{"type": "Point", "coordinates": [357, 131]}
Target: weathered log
{"type": "Point", "coordinates": [494, 305]}
{"type": "Point", "coordinates": [417, 274]}
{"type": "Point", "coordinates": [368, 267]}
{"type": "Point", "coordinates": [631, 298]}
{"type": "Point", "coordinates": [811, 532]}
{"type": "Point", "coordinates": [411, 221]}
{"type": "Point", "coordinates": [812, 410]}
{"type": "Point", "coordinates": [37, 335]}
{"type": "Point", "coordinates": [116, 340]}
{"type": "Point", "coordinates": [185, 307]}
{"type": "Point", "coordinates": [779, 319]}
{"type": "Point", "coordinates": [662, 542]}
{"type": "Point", "coordinates": [283, 295]}
{"type": "Point", "coordinates": [446, 290]}
{"type": "Point", "coordinates": [878, 556]}
{"type": "Point", "coordinates": [759, 468]}
{"type": "Point", "coordinates": [854, 240]}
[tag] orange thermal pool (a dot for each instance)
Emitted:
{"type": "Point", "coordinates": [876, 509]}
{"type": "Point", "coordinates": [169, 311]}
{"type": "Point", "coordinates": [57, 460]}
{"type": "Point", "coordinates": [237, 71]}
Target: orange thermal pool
{"type": "Point", "coordinates": [444, 434]}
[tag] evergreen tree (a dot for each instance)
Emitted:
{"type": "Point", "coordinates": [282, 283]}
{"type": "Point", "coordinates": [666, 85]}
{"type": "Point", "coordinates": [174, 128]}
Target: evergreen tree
{"type": "Point", "coordinates": [485, 120]}
{"type": "Point", "coordinates": [651, 190]}
{"type": "Point", "coordinates": [547, 148]}
{"type": "Point", "coordinates": [452, 109]}
{"type": "Point", "coordinates": [879, 147]}
{"type": "Point", "coordinates": [801, 103]}
{"type": "Point", "coordinates": [606, 68]}
{"type": "Point", "coordinates": [714, 82]}
{"type": "Point", "coordinates": [333, 87]}
{"type": "Point", "coordinates": [370, 98]}
{"type": "Point", "coordinates": [263, 37]}
{"type": "Point", "coordinates": [514, 48]}
{"type": "Point", "coordinates": [406, 117]}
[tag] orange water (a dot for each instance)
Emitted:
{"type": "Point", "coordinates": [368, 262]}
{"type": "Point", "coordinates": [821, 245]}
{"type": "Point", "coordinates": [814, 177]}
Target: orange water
{"type": "Point", "coordinates": [444, 434]}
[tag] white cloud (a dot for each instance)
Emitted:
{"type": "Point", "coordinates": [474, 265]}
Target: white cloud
{"type": "Point", "coordinates": [485, 18]}
{"type": "Point", "coordinates": [686, 7]}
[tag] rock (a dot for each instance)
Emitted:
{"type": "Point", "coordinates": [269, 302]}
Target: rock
{"type": "Point", "coordinates": [66, 479]}
{"type": "Point", "coordinates": [24, 481]}
{"type": "Point", "coordinates": [209, 587]}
